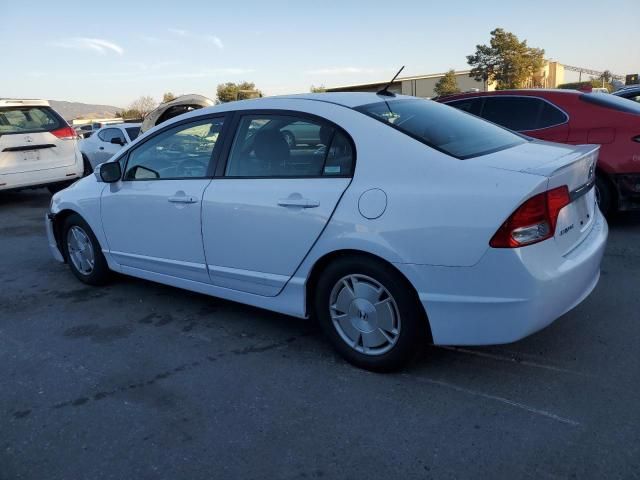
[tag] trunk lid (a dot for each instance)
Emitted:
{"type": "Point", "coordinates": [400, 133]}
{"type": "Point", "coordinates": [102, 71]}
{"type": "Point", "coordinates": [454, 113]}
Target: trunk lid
{"type": "Point", "coordinates": [573, 166]}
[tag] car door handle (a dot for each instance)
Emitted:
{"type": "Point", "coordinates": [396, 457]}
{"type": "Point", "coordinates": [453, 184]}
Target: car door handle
{"type": "Point", "coordinates": [298, 202]}
{"type": "Point", "coordinates": [182, 199]}
{"type": "Point", "coordinates": [101, 148]}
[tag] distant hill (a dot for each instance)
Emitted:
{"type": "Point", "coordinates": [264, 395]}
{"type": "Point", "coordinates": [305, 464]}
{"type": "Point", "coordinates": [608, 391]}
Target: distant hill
{"type": "Point", "coordinates": [71, 110]}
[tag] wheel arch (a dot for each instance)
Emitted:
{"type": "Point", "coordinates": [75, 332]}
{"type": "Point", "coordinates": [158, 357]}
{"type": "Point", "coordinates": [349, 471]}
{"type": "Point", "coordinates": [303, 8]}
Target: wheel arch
{"type": "Point", "coordinates": [58, 224]}
{"type": "Point", "coordinates": [322, 262]}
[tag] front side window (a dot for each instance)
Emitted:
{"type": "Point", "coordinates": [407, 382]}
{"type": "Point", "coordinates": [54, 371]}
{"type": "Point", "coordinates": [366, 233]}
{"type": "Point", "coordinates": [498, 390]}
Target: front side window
{"type": "Point", "coordinates": [288, 146]}
{"type": "Point", "coordinates": [28, 120]}
{"type": "Point", "coordinates": [108, 134]}
{"type": "Point", "coordinates": [442, 128]}
{"type": "Point", "coordinates": [181, 152]}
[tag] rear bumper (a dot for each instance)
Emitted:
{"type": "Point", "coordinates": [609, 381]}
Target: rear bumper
{"type": "Point", "coordinates": [51, 239]}
{"type": "Point", "coordinates": [510, 293]}
{"type": "Point", "coordinates": [37, 178]}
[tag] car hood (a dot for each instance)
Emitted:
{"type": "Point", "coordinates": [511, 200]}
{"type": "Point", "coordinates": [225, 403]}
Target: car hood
{"type": "Point", "coordinates": [176, 107]}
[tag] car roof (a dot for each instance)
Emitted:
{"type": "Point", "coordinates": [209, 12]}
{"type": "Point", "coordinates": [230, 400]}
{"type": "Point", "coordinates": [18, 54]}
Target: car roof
{"type": "Point", "coordinates": [23, 102]}
{"type": "Point", "coordinates": [541, 92]}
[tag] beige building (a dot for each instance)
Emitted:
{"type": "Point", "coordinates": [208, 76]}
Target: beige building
{"type": "Point", "coordinates": [424, 85]}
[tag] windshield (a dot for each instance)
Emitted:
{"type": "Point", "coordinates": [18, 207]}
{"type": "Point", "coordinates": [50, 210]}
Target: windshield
{"type": "Point", "coordinates": [443, 128]}
{"type": "Point", "coordinates": [28, 120]}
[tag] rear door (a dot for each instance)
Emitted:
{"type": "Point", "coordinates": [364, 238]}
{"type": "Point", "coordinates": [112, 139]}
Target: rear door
{"type": "Point", "coordinates": [271, 199]}
{"type": "Point", "coordinates": [34, 138]}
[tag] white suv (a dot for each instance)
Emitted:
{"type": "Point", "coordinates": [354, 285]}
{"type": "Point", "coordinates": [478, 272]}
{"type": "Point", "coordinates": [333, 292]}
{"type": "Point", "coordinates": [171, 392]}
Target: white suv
{"type": "Point", "coordinates": [37, 147]}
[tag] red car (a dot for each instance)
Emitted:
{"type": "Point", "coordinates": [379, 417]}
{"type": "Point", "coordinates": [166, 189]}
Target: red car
{"type": "Point", "coordinates": [573, 117]}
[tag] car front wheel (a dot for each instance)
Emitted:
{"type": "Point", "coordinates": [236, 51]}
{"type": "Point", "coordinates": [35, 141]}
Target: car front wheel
{"type": "Point", "coordinates": [604, 195]}
{"type": "Point", "coordinates": [83, 252]}
{"type": "Point", "coordinates": [370, 314]}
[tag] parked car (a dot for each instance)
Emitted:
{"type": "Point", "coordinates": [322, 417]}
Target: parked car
{"type": "Point", "coordinates": [573, 117]}
{"type": "Point", "coordinates": [37, 147]}
{"type": "Point", "coordinates": [424, 225]}
{"type": "Point", "coordinates": [177, 106]}
{"type": "Point", "coordinates": [631, 93]}
{"type": "Point", "coordinates": [106, 142]}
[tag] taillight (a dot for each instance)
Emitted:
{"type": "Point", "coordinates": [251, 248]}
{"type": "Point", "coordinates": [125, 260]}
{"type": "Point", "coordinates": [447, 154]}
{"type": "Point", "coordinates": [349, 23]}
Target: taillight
{"type": "Point", "coordinates": [65, 133]}
{"type": "Point", "coordinates": [533, 221]}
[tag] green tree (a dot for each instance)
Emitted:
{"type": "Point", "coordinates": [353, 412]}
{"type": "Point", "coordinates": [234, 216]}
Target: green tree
{"type": "Point", "coordinates": [167, 97]}
{"type": "Point", "coordinates": [448, 84]}
{"type": "Point", "coordinates": [230, 91]}
{"type": "Point", "coordinates": [506, 60]}
{"type": "Point", "coordinates": [318, 89]}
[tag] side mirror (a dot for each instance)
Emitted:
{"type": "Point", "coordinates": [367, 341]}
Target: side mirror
{"type": "Point", "coordinates": [118, 141]}
{"type": "Point", "coordinates": [110, 172]}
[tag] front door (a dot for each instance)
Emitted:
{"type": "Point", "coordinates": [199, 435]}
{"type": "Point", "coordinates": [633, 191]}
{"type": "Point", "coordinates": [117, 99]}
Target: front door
{"type": "Point", "coordinates": [283, 179]}
{"type": "Point", "coordinates": [151, 217]}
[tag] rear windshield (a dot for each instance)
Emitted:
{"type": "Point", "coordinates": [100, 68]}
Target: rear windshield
{"type": "Point", "coordinates": [133, 132]}
{"type": "Point", "coordinates": [28, 120]}
{"type": "Point", "coordinates": [612, 101]}
{"type": "Point", "coordinates": [444, 128]}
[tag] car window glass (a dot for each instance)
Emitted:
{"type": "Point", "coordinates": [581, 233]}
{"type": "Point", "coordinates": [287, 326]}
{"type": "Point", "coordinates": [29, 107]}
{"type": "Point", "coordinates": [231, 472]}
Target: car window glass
{"type": "Point", "coordinates": [515, 113]}
{"type": "Point", "coordinates": [550, 116]}
{"type": "Point", "coordinates": [287, 146]}
{"type": "Point", "coordinates": [469, 105]}
{"type": "Point", "coordinates": [108, 134]}
{"type": "Point", "coordinates": [184, 151]}
{"type": "Point", "coordinates": [28, 120]}
{"type": "Point", "coordinates": [133, 132]}
{"type": "Point", "coordinates": [441, 127]}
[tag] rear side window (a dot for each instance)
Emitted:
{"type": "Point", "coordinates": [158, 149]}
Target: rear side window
{"type": "Point", "coordinates": [522, 113]}
{"type": "Point", "coordinates": [109, 134]}
{"type": "Point", "coordinates": [28, 120]}
{"type": "Point", "coordinates": [442, 128]}
{"type": "Point", "coordinates": [282, 146]}
{"type": "Point", "coordinates": [611, 101]}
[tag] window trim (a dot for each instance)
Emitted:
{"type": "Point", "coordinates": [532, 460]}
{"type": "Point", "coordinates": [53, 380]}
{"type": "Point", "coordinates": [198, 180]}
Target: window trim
{"type": "Point", "coordinates": [200, 118]}
{"type": "Point", "coordinates": [233, 130]}
{"type": "Point", "coordinates": [484, 97]}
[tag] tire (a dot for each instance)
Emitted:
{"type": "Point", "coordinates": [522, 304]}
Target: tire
{"type": "Point", "coordinates": [88, 169]}
{"type": "Point", "coordinates": [604, 195]}
{"type": "Point", "coordinates": [345, 306]}
{"type": "Point", "coordinates": [79, 246]}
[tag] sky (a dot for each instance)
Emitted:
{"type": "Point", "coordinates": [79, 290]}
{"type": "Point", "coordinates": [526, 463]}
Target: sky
{"type": "Point", "coordinates": [113, 52]}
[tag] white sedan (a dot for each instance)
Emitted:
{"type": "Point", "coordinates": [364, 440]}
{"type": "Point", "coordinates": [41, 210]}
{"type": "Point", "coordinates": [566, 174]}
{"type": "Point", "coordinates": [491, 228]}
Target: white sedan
{"type": "Point", "coordinates": [106, 142]}
{"type": "Point", "coordinates": [405, 221]}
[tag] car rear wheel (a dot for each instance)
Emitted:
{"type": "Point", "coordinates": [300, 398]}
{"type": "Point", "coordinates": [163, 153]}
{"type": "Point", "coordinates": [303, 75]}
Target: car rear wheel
{"type": "Point", "coordinates": [370, 313]}
{"type": "Point", "coordinates": [83, 252]}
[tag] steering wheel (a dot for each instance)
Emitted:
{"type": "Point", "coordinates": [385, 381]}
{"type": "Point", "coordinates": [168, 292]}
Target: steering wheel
{"type": "Point", "coordinates": [191, 168]}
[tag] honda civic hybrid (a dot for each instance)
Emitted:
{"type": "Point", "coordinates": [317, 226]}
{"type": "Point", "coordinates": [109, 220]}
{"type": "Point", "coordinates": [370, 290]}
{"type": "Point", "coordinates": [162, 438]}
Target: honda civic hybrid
{"type": "Point", "coordinates": [402, 222]}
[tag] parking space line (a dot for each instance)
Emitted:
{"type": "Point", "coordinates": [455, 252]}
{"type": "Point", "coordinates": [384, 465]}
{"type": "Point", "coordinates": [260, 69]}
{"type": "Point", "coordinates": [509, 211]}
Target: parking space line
{"type": "Point", "coordinates": [504, 358]}
{"type": "Point", "coordinates": [496, 398]}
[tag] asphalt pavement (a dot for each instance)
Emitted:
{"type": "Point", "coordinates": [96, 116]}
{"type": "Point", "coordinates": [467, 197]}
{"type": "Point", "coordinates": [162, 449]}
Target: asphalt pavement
{"type": "Point", "coordinates": [137, 380]}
